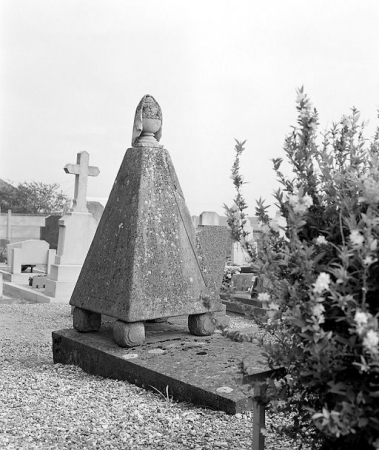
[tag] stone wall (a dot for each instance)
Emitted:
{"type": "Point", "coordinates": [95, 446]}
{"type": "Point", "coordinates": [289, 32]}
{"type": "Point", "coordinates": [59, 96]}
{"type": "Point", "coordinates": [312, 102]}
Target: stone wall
{"type": "Point", "coordinates": [21, 227]}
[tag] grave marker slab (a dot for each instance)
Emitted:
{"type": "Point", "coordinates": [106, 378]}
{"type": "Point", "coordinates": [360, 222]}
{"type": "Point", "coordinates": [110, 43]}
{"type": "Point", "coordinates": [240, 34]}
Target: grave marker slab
{"type": "Point", "coordinates": [146, 264]}
{"type": "Point", "coordinates": [50, 232]}
{"type": "Point", "coordinates": [29, 253]}
{"type": "Point", "coordinates": [202, 370]}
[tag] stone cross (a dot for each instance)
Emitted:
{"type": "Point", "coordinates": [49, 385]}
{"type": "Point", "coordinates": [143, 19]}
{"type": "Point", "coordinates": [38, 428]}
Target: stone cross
{"type": "Point", "coordinates": [82, 170]}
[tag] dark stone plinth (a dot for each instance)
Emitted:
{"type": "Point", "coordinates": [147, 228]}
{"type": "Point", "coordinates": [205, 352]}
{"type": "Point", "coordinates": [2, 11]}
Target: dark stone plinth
{"type": "Point", "coordinates": [243, 304]}
{"type": "Point", "coordinates": [50, 232]}
{"type": "Point", "coordinates": [242, 282]}
{"type": "Point", "coordinates": [192, 367]}
{"type": "Point", "coordinates": [246, 269]}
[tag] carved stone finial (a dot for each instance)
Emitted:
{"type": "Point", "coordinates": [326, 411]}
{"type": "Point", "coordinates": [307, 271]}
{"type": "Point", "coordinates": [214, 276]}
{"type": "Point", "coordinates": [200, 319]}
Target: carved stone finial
{"type": "Point", "coordinates": [147, 127]}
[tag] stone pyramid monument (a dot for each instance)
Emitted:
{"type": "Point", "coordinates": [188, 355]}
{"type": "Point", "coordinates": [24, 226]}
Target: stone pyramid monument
{"type": "Point", "coordinates": [146, 261]}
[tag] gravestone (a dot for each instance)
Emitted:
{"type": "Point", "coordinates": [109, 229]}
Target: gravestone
{"type": "Point", "coordinates": [146, 261]}
{"type": "Point", "coordinates": [76, 230]}
{"type": "Point", "coordinates": [50, 232]}
{"type": "Point", "coordinates": [28, 254]}
{"type": "Point", "coordinates": [243, 282]}
{"type": "Point", "coordinates": [209, 218]}
{"type": "Point", "coordinates": [96, 209]}
{"type": "Point", "coordinates": [239, 256]}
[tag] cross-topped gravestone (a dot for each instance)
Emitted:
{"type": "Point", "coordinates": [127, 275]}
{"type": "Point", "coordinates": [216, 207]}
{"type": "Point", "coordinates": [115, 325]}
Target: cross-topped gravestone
{"type": "Point", "coordinates": [82, 170]}
{"type": "Point", "coordinates": [77, 228]}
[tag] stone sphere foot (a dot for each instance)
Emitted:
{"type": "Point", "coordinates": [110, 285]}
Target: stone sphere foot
{"type": "Point", "coordinates": [202, 324]}
{"type": "Point", "coordinates": [128, 334]}
{"type": "Point", "coordinates": [85, 321]}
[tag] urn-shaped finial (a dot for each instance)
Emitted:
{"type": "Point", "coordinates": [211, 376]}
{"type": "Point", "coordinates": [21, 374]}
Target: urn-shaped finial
{"type": "Point", "coordinates": [147, 127]}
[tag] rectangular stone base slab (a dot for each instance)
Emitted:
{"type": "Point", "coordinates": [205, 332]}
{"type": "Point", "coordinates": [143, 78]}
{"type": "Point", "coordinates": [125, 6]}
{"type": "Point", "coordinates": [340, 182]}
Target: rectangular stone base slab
{"type": "Point", "coordinates": [242, 304]}
{"type": "Point", "coordinates": [194, 368]}
{"type": "Point", "coordinates": [33, 295]}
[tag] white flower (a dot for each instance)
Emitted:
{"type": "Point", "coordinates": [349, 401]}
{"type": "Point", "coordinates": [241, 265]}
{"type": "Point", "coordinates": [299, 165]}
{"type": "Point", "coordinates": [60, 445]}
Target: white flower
{"type": "Point", "coordinates": [321, 318]}
{"type": "Point", "coordinates": [300, 204]}
{"type": "Point", "coordinates": [273, 306]}
{"type": "Point", "coordinates": [369, 260]}
{"type": "Point", "coordinates": [321, 240]}
{"type": "Point", "coordinates": [278, 383]}
{"type": "Point", "coordinates": [361, 318]}
{"type": "Point", "coordinates": [322, 283]}
{"type": "Point", "coordinates": [371, 342]}
{"type": "Point", "coordinates": [263, 297]}
{"type": "Point", "coordinates": [307, 200]}
{"type": "Point", "coordinates": [293, 199]}
{"type": "Point", "coordinates": [356, 238]}
{"type": "Point", "coordinates": [317, 311]}
{"type": "Point", "coordinates": [300, 208]}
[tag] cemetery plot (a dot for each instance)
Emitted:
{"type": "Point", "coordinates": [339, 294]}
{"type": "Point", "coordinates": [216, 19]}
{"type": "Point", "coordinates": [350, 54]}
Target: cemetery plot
{"type": "Point", "coordinates": [200, 370]}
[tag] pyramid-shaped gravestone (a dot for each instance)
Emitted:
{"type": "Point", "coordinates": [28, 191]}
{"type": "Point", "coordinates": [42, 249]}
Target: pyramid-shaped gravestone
{"type": "Point", "coordinates": [146, 261]}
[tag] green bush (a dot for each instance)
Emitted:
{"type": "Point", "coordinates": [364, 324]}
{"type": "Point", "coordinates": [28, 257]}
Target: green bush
{"type": "Point", "coordinates": [323, 276]}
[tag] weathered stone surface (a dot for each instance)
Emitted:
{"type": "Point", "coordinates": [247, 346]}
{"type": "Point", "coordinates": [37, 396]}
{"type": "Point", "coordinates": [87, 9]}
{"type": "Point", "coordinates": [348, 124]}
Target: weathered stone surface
{"type": "Point", "coordinates": [202, 324]}
{"type": "Point", "coordinates": [147, 127]}
{"type": "Point", "coordinates": [222, 320]}
{"type": "Point", "coordinates": [193, 368]}
{"type": "Point", "coordinates": [85, 321]}
{"type": "Point", "coordinates": [211, 250]}
{"type": "Point", "coordinates": [242, 282]}
{"type": "Point", "coordinates": [128, 334]}
{"type": "Point", "coordinates": [145, 261]}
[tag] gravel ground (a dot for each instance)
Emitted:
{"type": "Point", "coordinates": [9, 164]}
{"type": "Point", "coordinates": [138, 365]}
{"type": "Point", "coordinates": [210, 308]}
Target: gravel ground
{"type": "Point", "coordinates": [52, 406]}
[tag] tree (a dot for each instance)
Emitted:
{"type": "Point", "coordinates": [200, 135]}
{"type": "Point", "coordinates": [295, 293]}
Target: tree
{"type": "Point", "coordinates": [33, 198]}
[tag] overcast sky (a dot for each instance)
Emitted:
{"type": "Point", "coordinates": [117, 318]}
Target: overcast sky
{"type": "Point", "coordinates": [73, 72]}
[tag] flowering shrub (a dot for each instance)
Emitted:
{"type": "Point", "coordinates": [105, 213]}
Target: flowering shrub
{"type": "Point", "coordinates": [236, 215]}
{"type": "Point", "coordinates": [323, 275]}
